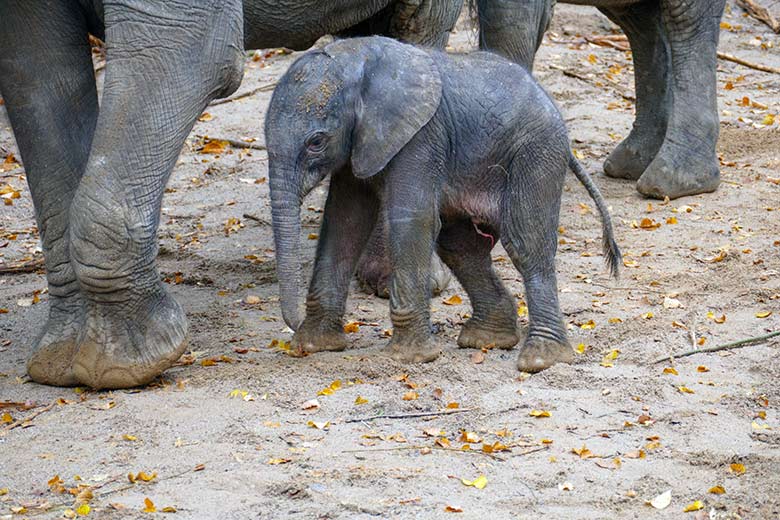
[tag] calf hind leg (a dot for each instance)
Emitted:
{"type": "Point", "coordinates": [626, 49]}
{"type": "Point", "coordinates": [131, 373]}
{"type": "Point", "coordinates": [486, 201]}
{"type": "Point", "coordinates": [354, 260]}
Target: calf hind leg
{"type": "Point", "coordinates": [467, 254]}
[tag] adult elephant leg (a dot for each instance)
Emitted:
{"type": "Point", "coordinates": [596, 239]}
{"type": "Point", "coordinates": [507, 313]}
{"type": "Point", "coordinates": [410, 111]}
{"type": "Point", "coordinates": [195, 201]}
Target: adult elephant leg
{"type": "Point", "coordinates": [164, 62]}
{"type": "Point", "coordinates": [49, 88]}
{"type": "Point", "coordinates": [652, 65]}
{"type": "Point", "coordinates": [687, 163]}
{"type": "Point", "coordinates": [513, 28]}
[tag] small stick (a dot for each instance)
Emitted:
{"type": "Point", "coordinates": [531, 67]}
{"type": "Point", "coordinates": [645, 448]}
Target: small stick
{"type": "Point", "coordinates": [726, 346]}
{"type": "Point", "coordinates": [409, 415]}
{"type": "Point", "coordinates": [26, 419]}
{"type": "Point", "coordinates": [437, 448]}
{"type": "Point", "coordinates": [756, 66]}
{"type": "Point", "coordinates": [576, 75]}
{"type": "Point", "coordinates": [760, 13]}
{"type": "Point", "coordinates": [252, 92]}
{"type": "Point", "coordinates": [27, 267]}
{"type": "Point", "coordinates": [235, 143]}
{"type": "Point", "coordinates": [256, 219]}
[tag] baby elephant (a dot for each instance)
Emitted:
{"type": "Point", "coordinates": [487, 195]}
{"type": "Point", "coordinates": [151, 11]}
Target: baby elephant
{"type": "Point", "coordinates": [458, 152]}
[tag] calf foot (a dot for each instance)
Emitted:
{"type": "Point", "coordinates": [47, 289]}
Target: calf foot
{"type": "Point", "coordinates": [319, 335]}
{"type": "Point", "coordinates": [478, 334]}
{"type": "Point", "coordinates": [538, 354]}
{"type": "Point", "coordinates": [52, 360]}
{"type": "Point", "coordinates": [421, 350]}
{"type": "Point", "coordinates": [120, 349]}
{"type": "Point", "coordinates": [677, 171]}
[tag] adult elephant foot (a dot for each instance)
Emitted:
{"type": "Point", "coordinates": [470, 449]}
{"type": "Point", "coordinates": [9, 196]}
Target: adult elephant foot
{"type": "Point", "coordinates": [123, 349]}
{"type": "Point", "coordinates": [538, 354]}
{"type": "Point", "coordinates": [374, 272]}
{"type": "Point", "coordinates": [55, 348]}
{"type": "Point", "coordinates": [632, 157]}
{"type": "Point", "coordinates": [677, 172]}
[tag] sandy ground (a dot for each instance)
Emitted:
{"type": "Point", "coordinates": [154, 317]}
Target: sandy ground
{"type": "Point", "coordinates": [225, 432]}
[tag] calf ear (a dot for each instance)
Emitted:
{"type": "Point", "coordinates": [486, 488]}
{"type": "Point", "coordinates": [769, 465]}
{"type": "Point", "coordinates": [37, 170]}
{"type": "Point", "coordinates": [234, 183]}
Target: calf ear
{"type": "Point", "coordinates": [399, 92]}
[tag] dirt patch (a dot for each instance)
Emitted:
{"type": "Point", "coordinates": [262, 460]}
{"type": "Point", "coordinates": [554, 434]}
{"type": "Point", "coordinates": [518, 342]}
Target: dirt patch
{"type": "Point", "coordinates": [719, 263]}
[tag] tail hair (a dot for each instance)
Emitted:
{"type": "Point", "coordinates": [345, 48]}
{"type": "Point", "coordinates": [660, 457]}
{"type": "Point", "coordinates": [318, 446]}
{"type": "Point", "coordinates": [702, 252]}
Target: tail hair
{"type": "Point", "coordinates": [612, 255]}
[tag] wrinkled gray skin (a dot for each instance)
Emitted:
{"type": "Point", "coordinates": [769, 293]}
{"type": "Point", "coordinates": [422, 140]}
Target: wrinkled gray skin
{"type": "Point", "coordinates": [671, 148]}
{"type": "Point", "coordinates": [396, 125]}
{"type": "Point", "coordinates": [97, 176]}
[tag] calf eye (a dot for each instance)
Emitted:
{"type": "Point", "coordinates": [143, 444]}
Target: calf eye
{"type": "Point", "coordinates": [316, 142]}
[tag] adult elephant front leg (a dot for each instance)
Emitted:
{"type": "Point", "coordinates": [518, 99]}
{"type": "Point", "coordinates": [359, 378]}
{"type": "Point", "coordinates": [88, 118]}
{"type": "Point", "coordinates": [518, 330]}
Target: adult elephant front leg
{"type": "Point", "coordinates": [687, 163]}
{"type": "Point", "coordinates": [164, 62]}
{"type": "Point", "coordinates": [47, 80]}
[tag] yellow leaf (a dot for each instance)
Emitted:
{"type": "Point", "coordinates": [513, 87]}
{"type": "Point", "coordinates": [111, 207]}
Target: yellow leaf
{"type": "Point", "coordinates": [739, 469]}
{"type": "Point", "coordinates": [609, 357]}
{"type": "Point", "coordinates": [480, 482]}
{"type": "Point", "coordinates": [149, 506]}
{"type": "Point", "coordinates": [205, 116]}
{"type": "Point", "coordinates": [361, 400]}
{"type": "Point", "coordinates": [615, 320]}
{"type": "Point", "coordinates": [769, 119]}
{"type": "Point", "coordinates": [539, 413]}
{"type": "Point", "coordinates": [764, 314]}
{"type": "Point", "coordinates": [469, 437]}
{"type": "Point", "coordinates": [214, 146]}
{"type": "Point", "coordinates": [128, 437]}
{"type": "Point", "coordinates": [410, 396]}
{"type": "Point", "coordinates": [330, 390]}
{"type": "Point", "coordinates": [453, 300]}
{"type": "Point", "coordinates": [717, 490]}
{"type": "Point", "coordinates": [702, 368]}
{"type": "Point", "coordinates": [6, 418]}
{"type": "Point", "coordinates": [351, 327]}
{"type": "Point", "coordinates": [671, 370]}
{"type": "Point", "coordinates": [522, 310]}
{"type": "Point", "coordinates": [145, 477]}
{"type": "Point", "coordinates": [3, 491]}
{"type": "Point", "coordinates": [671, 220]}
{"type": "Point", "coordinates": [320, 425]}
{"type": "Point", "coordinates": [648, 315]}
{"type": "Point", "coordinates": [275, 462]}
{"type": "Point", "coordinates": [168, 509]}
{"type": "Point", "coordinates": [592, 58]}
{"type": "Point", "coordinates": [313, 236]}
{"type": "Point", "coordinates": [648, 223]}
{"type": "Point", "coordinates": [590, 324]}
{"type": "Point", "coordinates": [685, 390]}
{"type": "Point", "coordinates": [694, 506]}
{"type": "Point", "coordinates": [453, 405]}
{"type": "Point", "coordinates": [578, 154]}
{"type": "Point", "coordinates": [583, 452]}
{"type": "Point", "coordinates": [83, 510]}
{"type": "Point", "coordinates": [581, 348]}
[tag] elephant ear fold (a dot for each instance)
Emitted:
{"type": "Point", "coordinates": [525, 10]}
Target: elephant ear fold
{"type": "Point", "coordinates": [399, 92]}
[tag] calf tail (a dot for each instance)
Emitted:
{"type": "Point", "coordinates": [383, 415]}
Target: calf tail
{"type": "Point", "coordinates": [611, 251]}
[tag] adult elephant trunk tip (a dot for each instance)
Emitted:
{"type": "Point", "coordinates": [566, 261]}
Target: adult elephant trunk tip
{"type": "Point", "coordinates": [286, 213]}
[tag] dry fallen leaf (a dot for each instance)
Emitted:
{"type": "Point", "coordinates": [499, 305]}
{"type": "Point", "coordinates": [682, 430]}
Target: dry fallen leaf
{"type": "Point", "coordinates": [331, 389]}
{"type": "Point", "coordinates": [539, 413]}
{"type": "Point", "coordinates": [311, 404]}
{"type": "Point", "coordinates": [738, 469]}
{"type": "Point", "coordinates": [453, 300]}
{"type": "Point", "coordinates": [410, 396]}
{"type": "Point", "coordinates": [480, 482]}
{"type": "Point", "coordinates": [694, 506]}
{"type": "Point", "coordinates": [360, 400]}
{"type": "Point", "coordinates": [717, 490]}
{"type": "Point", "coordinates": [352, 327]}
{"type": "Point", "coordinates": [453, 509]}
{"type": "Point", "coordinates": [663, 500]}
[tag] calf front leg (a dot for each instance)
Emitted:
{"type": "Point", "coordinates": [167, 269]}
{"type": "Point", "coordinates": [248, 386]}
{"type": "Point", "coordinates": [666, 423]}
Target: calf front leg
{"type": "Point", "coordinates": [350, 213]}
{"type": "Point", "coordinates": [687, 163]}
{"type": "Point", "coordinates": [165, 62]}
{"type": "Point", "coordinates": [47, 80]}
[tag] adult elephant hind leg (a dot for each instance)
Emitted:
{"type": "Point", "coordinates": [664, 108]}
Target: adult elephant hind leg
{"type": "Point", "coordinates": [467, 253]}
{"type": "Point", "coordinates": [49, 88]}
{"type": "Point", "coordinates": [530, 223]}
{"type": "Point", "coordinates": [165, 62]}
{"type": "Point", "coordinates": [652, 65]}
{"type": "Point", "coordinates": [687, 163]}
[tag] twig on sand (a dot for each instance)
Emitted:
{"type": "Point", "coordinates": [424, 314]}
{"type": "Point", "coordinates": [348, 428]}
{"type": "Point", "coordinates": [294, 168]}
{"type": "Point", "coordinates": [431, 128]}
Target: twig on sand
{"type": "Point", "coordinates": [26, 267]}
{"type": "Point", "coordinates": [256, 219]}
{"type": "Point", "coordinates": [26, 419]}
{"type": "Point", "coordinates": [235, 143]}
{"type": "Point", "coordinates": [574, 74]}
{"type": "Point", "coordinates": [264, 88]}
{"type": "Point", "coordinates": [433, 448]}
{"type": "Point", "coordinates": [409, 415]}
{"type": "Point", "coordinates": [756, 66]}
{"type": "Point", "coordinates": [726, 346]}
{"type": "Point", "coordinates": [760, 13]}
